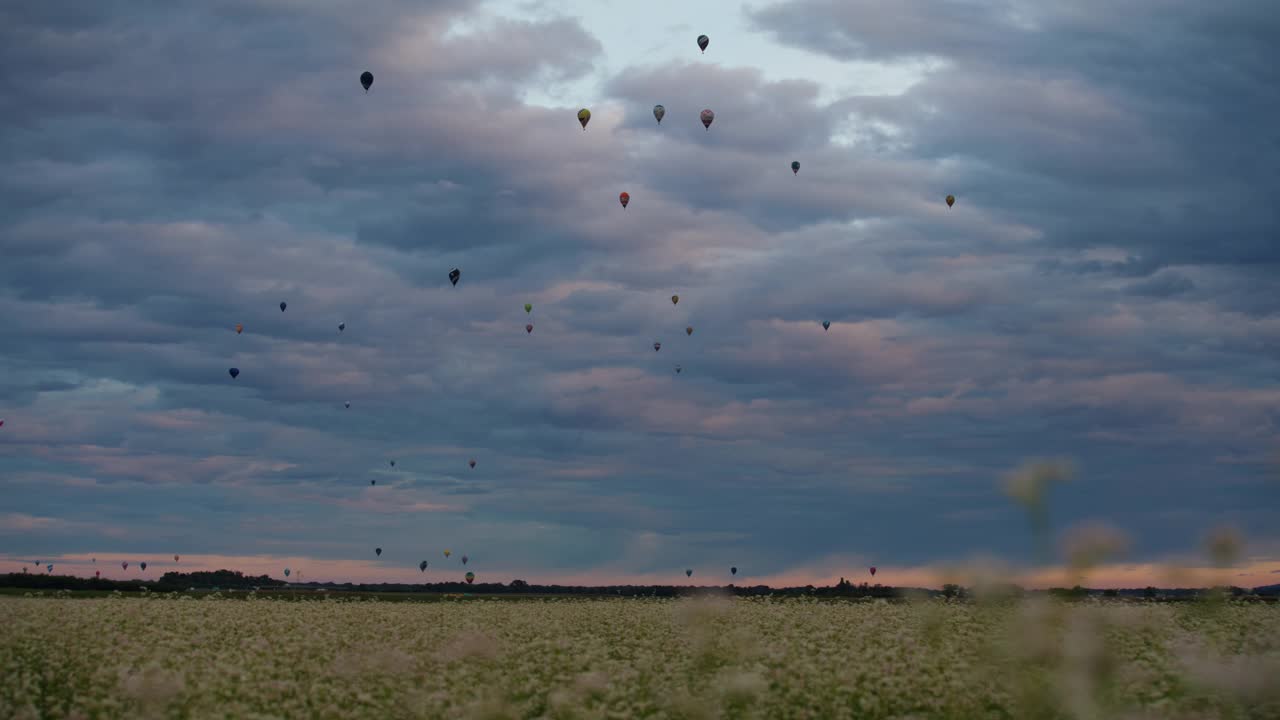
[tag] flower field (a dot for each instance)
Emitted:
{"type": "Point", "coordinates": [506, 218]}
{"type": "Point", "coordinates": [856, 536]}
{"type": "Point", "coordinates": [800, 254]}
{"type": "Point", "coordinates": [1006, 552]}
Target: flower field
{"type": "Point", "coordinates": [186, 657]}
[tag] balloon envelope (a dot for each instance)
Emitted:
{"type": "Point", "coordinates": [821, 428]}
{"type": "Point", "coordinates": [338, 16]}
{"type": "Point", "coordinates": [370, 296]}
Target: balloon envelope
{"type": "Point", "coordinates": [454, 274]}
{"type": "Point", "coordinates": [795, 167]}
{"type": "Point", "coordinates": [688, 573]}
{"type": "Point", "coordinates": [366, 79]}
{"type": "Point", "coordinates": [286, 572]}
{"type": "Point", "coordinates": [707, 118]}
{"type": "Point", "coordinates": [142, 565]}
{"type": "Point", "coordinates": [624, 198]}
{"type": "Point", "coordinates": [658, 112]}
{"type": "Point", "coordinates": [733, 571]}
{"type": "Point", "coordinates": [675, 299]}
{"type": "Point", "coordinates": [234, 373]}
{"type": "Point", "coordinates": [951, 200]}
{"type": "Point", "coordinates": [239, 328]}
{"type": "Point", "coordinates": [873, 570]}
{"type": "Point", "coordinates": [342, 326]}
{"type": "Point", "coordinates": [175, 558]}
{"type": "Point", "coordinates": [422, 566]}
{"type": "Point", "coordinates": [703, 42]}
{"type": "Point", "coordinates": [472, 463]}
{"type": "Point", "coordinates": [688, 330]}
{"type": "Point", "coordinates": [528, 307]}
{"type": "Point", "coordinates": [283, 305]}
{"type": "Point", "coordinates": [377, 551]}
{"type": "Point", "coordinates": [464, 559]}
{"type": "Point", "coordinates": [584, 117]}
{"type": "Point", "coordinates": [470, 577]}
{"type": "Point", "coordinates": [826, 324]}
{"type": "Point", "coordinates": [657, 346]}
{"type": "Point", "coordinates": [528, 328]}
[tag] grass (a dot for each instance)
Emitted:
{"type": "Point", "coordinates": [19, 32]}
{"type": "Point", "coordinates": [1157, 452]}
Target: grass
{"type": "Point", "coordinates": [196, 655]}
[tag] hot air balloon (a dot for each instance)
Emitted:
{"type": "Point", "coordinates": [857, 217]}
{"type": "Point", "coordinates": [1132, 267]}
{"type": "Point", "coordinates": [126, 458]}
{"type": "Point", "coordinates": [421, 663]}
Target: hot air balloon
{"type": "Point", "coordinates": [454, 274]}
{"type": "Point", "coordinates": [283, 305]}
{"type": "Point", "coordinates": [951, 200]}
{"type": "Point", "coordinates": [95, 560]}
{"type": "Point", "coordinates": [1, 422]}
{"type": "Point", "coordinates": [584, 117]}
{"type": "Point", "coordinates": [286, 572]}
{"type": "Point", "coordinates": [703, 42]}
{"type": "Point", "coordinates": [447, 553]}
{"type": "Point", "coordinates": [658, 112]}
{"type": "Point", "coordinates": [733, 571]}
{"type": "Point", "coordinates": [373, 482]}
{"type": "Point", "coordinates": [471, 577]}
{"type": "Point", "coordinates": [239, 328]}
{"type": "Point", "coordinates": [97, 573]}
{"type": "Point", "coordinates": [528, 328]}
{"type": "Point", "coordinates": [393, 463]}
{"type": "Point", "coordinates": [347, 404]}
{"type": "Point", "coordinates": [688, 330]}
{"type": "Point", "coordinates": [234, 372]}
{"type": "Point", "coordinates": [624, 198]}
{"type": "Point", "coordinates": [688, 573]}
{"type": "Point", "coordinates": [873, 570]}
{"type": "Point", "coordinates": [422, 566]}
{"type": "Point", "coordinates": [707, 118]}
{"type": "Point", "coordinates": [124, 565]}
{"type": "Point", "coordinates": [36, 563]}
{"type": "Point", "coordinates": [175, 558]}
{"type": "Point", "coordinates": [366, 79]}
{"type": "Point", "coordinates": [143, 566]}
{"type": "Point", "coordinates": [528, 307]}
{"type": "Point", "coordinates": [826, 324]}
{"type": "Point", "coordinates": [464, 559]}
{"type": "Point", "coordinates": [342, 326]}
{"type": "Point", "coordinates": [49, 567]}
{"type": "Point", "coordinates": [678, 369]}
{"type": "Point", "coordinates": [795, 167]}
{"type": "Point", "coordinates": [675, 299]}
{"type": "Point", "coordinates": [472, 462]}
{"type": "Point", "coordinates": [657, 346]}
{"type": "Point", "coordinates": [377, 551]}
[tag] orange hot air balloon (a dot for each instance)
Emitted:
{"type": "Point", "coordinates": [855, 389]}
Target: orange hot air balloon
{"type": "Point", "coordinates": [239, 328]}
{"type": "Point", "coordinates": [624, 198]}
{"type": "Point", "coordinates": [175, 558]}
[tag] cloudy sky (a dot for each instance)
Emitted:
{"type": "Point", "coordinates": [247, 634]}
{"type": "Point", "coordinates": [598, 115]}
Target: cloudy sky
{"type": "Point", "coordinates": [1104, 289]}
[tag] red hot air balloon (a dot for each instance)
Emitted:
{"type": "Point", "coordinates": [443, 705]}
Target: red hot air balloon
{"type": "Point", "coordinates": [873, 570]}
{"type": "Point", "coordinates": [528, 328]}
{"type": "Point", "coordinates": [124, 565]}
{"type": "Point", "coordinates": [708, 117]}
{"type": "Point", "coordinates": [97, 573]}
{"type": "Point", "coordinates": [175, 558]}
{"type": "Point", "coordinates": [624, 198]}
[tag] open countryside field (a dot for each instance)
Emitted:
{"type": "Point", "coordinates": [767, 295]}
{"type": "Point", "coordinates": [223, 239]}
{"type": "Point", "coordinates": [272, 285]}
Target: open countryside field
{"type": "Point", "coordinates": [182, 657]}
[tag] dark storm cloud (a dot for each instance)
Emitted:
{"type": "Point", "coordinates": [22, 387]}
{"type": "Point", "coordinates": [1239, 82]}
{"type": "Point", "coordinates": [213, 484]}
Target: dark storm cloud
{"type": "Point", "coordinates": [170, 170]}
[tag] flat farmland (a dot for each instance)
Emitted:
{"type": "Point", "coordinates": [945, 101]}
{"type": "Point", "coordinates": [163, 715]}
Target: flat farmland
{"type": "Point", "coordinates": [210, 657]}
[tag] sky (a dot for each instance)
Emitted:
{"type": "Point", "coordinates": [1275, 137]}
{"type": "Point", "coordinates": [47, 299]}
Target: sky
{"type": "Point", "coordinates": [1104, 289]}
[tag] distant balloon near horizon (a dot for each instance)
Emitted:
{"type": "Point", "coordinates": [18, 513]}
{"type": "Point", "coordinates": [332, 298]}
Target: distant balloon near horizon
{"type": "Point", "coordinates": [422, 566]}
{"type": "Point", "coordinates": [234, 373]}
{"type": "Point", "coordinates": [366, 79]}
{"type": "Point", "coordinates": [464, 559]}
{"type": "Point", "coordinates": [528, 307]}
{"type": "Point", "coordinates": [454, 275]}
{"type": "Point", "coordinates": [373, 482]}
{"type": "Point", "coordinates": [286, 572]}
{"type": "Point", "coordinates": [703, 42]}
{"type": "Point", "coordinates": [873, 570]}
{"type": "Point", "coordinates": [733, 571]}
{"type": "Point", "coordinates": [342, 326]}
{"type": "Point", "coordinates": [688, 573]}
{"type": "Point", "coordinates": [283, 305]}
{"type": "Point", "coordinates": [239, 328]}
{"type": "Point", "coordinates": [393, 463]}
{"type": "Point", "coordinates": [124, 565]}
{"type": "Point", "coordinates": [951, 200]}
{"type": "Point", "coordinates": [795, 167]}
{"type": "Point", "coordinates": [347, 404]}
{"type": "Point", "coordinates": [675, 299]}
{"type": "Point", "coordinates": [175, 558]}
{"type": "Point", "coordinates": [657, 346]}
{"type": "Point", "coordinates": [470, 577]}
{"type": "Point", "coordinates": [826, 324]}
{"type": "Point", "coordinates": [678, 369]}
{"type": "Point", "coordinates": [377, 551]}
{"type": "Point", "coordinates": [659, 112]}
{"type": "Point", "coordinates": [143, 566]}
{"type": "Point", "coordinates": [528, 328]}
{"type": "Point", "coordinates": [688, 330]}
{"type": "Point", "coordinates": [472, 462]}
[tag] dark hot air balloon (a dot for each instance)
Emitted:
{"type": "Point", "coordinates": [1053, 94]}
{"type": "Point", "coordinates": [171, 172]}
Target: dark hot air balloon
{"type": "Point", "coordinates": [342, 326]}
{"type": "Point", "coordinates": [97, 573]}
{"type": "Point", "coordinates": [124, 565]}
{"type": "Point", "coordinates": [175, 558]}
{"type": "Point", "coordinates": [675, 299]}
{"type": "Point", "coordinates": [951, 200]}
{"type": "Point", "coordinates": [286, 572]}
{"type": "Point", "coordinates": [347, 404]}
{"type": "Point", "coordinates": [678, 368]}
{"type": "Point", "coordinates": [393, 463]}
{"type": "Point", "coordinates": [471, 577]}
{"type": "Point", "coordinates": [733, 571]}
{"type": "Point", "coordinates": [708, 117]}
{"type": "Point", "coordinates": [703, 42]}
{"type": "Point", "coordinates": [688, 573]}
{"type": "Point", "coordinates": [795, 167]}
{"type": "Point", "coordinates": [657, 346]}
{"type": "Point", "coordinates": [528, 328]}
{"type": "Point", "coordinates": [234, 372]}
{"type": "Point", "coordinates": [873, 570]}
{"type": "Point", "coordinates": [373, 482]}
{"type": "Point", "coordinates": [143, 566]}
{"type": "Point", "coordinates": [366, 79]}
{"type": "Point", "coordinates": [377, 551]}
{"type": "Point", "coordinates": [464, 559]}
{"type": "Point", "coordinates": [283, 305]}
{"type": "Point", "coordinates": [422, 566]}
{"type": "Point", "coordinates": [454, 274]}
{"type": "Point", "coordinates": [239, 328]}
{"type": "Point", "coordinates": [658, 112]}
{"type": "Point", "coordinates": [826, 324]}
{"type": "Point", "coordinates": [688, 330]}
{"type": "Point", "coordinates": [472, 463]}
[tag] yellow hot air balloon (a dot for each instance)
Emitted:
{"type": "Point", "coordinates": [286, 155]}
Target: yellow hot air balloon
{"type": "Point", "coordinates": [584, 117]}
{"type": "Point", "coordinates": [951, 200]}
{"type": "Point", "coordinates": [447, 553]}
